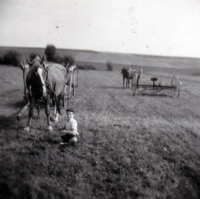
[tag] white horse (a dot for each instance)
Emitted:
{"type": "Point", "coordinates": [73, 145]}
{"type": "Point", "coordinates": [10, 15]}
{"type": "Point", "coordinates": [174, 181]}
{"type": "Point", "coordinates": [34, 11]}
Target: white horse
{"type": "Point", "coordinates": [138, 73]}
{"type": "Point", "coordinates": [25, 69]}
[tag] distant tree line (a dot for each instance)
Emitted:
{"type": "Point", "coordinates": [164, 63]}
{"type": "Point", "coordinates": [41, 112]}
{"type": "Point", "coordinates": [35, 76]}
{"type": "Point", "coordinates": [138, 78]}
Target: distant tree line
{"type": "Point", "coordinates": [14, 58]}
{"type": "Point", "coordinates": [11, 58]}
{"type": "Point", "coordinates": [109, 66]}
{"type": "Point", "coordinates": [86, 67]}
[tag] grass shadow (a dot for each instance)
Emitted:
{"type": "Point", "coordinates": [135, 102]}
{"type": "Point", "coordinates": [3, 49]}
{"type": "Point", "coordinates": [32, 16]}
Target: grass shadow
{"type": "Point", "coordinates": [196, 74]}
{"type": "Point", "coordinates": [154, 95]}
{"type": "Point", "coordinates": [9, 122]}
{"type": "Point", "coordinates": [112, 87]}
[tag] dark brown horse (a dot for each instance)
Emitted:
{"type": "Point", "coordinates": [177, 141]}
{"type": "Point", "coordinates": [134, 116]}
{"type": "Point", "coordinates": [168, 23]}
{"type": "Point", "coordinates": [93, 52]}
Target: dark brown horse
{"type": "Point", "coordinates": [128, 74]}
{"type": "Point", "coordinates": [45, 84]}
{"type": "Point", "coordinates": [132, 73]}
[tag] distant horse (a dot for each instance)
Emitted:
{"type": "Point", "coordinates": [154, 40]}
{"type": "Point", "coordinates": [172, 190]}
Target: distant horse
{"type": "Point", "coordinates": [43, 84]}
{"type": "Point", "coordinates": [128, 74]}
{"type": "Point", "coordinates": [137, 74]}
{"type": "Point", "coordinates": [131, 73]}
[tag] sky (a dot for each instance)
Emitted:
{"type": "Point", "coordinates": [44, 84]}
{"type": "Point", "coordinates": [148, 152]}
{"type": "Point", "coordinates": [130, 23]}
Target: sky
{"type": "Point", "coordinates": [152, 27]}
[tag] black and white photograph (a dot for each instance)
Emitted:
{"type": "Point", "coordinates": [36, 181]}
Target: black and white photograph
{"type": "Point", "coordinates": [99, 99]}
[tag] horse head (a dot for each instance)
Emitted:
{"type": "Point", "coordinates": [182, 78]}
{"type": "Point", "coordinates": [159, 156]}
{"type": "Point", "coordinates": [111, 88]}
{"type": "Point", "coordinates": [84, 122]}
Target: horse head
{"type": "Point", "coordinates": [70, 67]}
{"type": "Point", "coordinates": [37, 77]}
{"type": "Point", "coordinates": [125, 73]}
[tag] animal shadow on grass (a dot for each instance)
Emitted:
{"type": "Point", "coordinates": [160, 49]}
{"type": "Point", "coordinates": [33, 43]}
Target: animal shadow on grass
{"type": "Point", "coordinates": [193, 175]}
{"type": "Point", "coordinates": [19, 104]}
{"type": "Point", "coordinates": [5, 191]}
{"type": "Point", "coordinates": [8, 122]}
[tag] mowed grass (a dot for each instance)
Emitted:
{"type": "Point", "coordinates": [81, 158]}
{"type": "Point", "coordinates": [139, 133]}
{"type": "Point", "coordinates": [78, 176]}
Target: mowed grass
{"type": "Point", "coordinates": [144, 146]}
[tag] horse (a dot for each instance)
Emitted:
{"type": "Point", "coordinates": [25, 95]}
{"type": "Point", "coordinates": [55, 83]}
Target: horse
{"type": "Point", "coordinates": [128, 74]}
{"type": "Point", "coordinates": [131, 73]}
{"type": "Point", "coordinates": [138, 73]}
{"type": "Point", "coordinates": [25, 69]}
{"type": "Point", "coordinates": [45, 84]}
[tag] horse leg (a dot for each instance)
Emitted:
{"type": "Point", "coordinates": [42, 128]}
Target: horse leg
{"type": "Point", "coordinates": [128, 80]}
{"type": "Point", "coordinates": [47, 112]}
{"type": "Point", "coordinates": [138, 78]}
{"type": "Point", "coordinates": [25, 94]}
{"type": "Point", "coordinates": [55, 113]}
{"type": "Point", "coordinates": [54, 117]}
{"type": "Point", "coordinates": [133, 79]}
{"type": "Point", "coordinates": [65, 89]}
{"type": "Point", "coordinates": [25, 88]}
{"type": "Point", "coordinates": [31, 112]}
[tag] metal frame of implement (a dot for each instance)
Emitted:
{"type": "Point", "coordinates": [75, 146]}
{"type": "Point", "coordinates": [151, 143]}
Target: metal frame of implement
{"type": "Point", "coordinates": [175, 86]}
{"type": "Point", "coordinates": [70, 89]}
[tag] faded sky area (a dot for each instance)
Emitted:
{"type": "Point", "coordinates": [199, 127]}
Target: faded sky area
{"type": "Point", "coordinates": [157, 27]}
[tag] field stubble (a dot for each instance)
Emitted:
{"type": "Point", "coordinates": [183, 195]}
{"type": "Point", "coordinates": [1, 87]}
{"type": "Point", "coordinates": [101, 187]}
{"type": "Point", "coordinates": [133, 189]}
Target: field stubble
{"type": "Point", "coordinates": [129, 147]}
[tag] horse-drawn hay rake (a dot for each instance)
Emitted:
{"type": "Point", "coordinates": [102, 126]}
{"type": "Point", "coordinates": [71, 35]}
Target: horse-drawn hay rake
{"type": "Point", "coordinates": [174, 86]}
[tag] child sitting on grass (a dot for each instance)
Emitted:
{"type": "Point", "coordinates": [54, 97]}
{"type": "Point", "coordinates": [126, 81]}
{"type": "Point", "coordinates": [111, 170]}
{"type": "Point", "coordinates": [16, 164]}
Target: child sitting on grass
{"type": "Point", "coordinates": [69, 134]}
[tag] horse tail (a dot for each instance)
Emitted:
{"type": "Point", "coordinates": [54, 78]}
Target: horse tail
{"type": "Point", "coordinates": [57, 104]}
{"type": "Point", "coordinates": [56, 100]}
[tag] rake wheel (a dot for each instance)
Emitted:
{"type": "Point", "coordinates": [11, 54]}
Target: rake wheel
{"type": "Point", "coordinates": [175, 83]}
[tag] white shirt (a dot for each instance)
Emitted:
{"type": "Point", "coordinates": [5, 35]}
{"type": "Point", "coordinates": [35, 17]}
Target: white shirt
{"type": "Point", "coordinates": [71, 125]}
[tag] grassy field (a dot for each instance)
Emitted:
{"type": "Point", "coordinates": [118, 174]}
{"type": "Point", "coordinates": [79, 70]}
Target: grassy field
{"type": "Point", "coordinates": [129, 147]}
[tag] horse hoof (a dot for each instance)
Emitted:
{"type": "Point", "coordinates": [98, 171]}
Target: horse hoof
{"type": "Point", "coordinates": [50, 128]}
{"type": "Point", "coordinates": [27, 128]}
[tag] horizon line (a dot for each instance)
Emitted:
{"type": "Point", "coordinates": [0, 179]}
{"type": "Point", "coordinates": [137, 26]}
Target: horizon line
{"type": "Point", "coordinates": [107, 52]}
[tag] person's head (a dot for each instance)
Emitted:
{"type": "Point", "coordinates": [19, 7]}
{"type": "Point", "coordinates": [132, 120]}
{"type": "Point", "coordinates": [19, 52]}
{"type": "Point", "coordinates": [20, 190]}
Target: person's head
{"type": "Point", "coordinates": [70, 113]}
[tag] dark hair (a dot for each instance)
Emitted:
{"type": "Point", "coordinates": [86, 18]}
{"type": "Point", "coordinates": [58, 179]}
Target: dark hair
{"type": "Point", "coordinates": [70, 110]}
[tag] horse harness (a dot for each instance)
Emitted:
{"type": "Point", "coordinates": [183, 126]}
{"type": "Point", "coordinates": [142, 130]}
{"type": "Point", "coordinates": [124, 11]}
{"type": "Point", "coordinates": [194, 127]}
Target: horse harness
{"type": "Point", "coordinates": [37, 92]}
